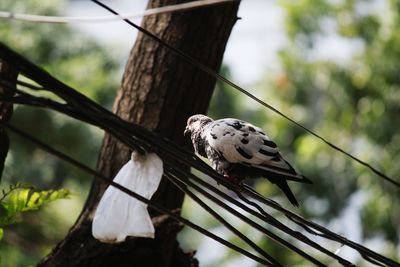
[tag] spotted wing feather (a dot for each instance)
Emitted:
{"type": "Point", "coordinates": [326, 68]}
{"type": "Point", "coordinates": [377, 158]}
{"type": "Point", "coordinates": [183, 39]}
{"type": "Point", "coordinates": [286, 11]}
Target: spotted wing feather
{"type": "Point", "coordinates": [241, 142]}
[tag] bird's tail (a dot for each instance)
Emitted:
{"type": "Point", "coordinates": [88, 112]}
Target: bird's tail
{"type": "Point", "coordinates": [283, 185]}
{"type": "Point", "coordinates": [278, 173]}
{"type": "Point", "coordinates": [281, 182]}
{"type": "Point", "coordinates": [287, 174]}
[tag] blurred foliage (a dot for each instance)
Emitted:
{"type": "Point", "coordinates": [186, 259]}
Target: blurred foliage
{"type": "Point", "coordinates": [355, 103]}
{"type": "Point", "coordinates": [20, 198]}
{"type": "Point", "coordinates": [81, 63]}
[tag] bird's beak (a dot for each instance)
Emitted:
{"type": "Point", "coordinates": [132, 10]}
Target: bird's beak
{"type": "Point", "coordinates": [186, 132]}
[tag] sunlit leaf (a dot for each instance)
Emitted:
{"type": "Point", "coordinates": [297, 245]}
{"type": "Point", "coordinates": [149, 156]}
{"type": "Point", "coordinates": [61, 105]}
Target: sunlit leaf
{"type": "Point", "coordinates": [19, 200]}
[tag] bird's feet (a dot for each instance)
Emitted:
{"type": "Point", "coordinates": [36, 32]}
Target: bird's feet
{"type": "Point", "coordinates": [233, 178]}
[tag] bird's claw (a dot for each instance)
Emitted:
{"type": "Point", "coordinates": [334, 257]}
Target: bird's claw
{"type": "Point", "coordinates": [234, 179]}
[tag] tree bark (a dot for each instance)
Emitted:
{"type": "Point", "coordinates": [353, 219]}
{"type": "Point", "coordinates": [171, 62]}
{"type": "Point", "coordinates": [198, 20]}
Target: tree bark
{"type": "Point", "coordinates": [8, 73]}
{"type": "Point", "coordinates": [159, 91]}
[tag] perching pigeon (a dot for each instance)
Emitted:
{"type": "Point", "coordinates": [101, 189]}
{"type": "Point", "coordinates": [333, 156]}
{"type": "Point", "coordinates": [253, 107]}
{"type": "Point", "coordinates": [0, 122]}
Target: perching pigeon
{"type": "Point", "coordinates": [240, 150]}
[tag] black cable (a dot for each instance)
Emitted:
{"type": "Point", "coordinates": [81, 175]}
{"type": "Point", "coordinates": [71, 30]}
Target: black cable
{"type": "Point", "coordinates": [179, 184]}
{"type": "Point", "coordinates": [211, 72]}
{"type": "Point", "coordinates": [365, 252]}
{"type": "Point", "coordinates": [150, 203]}
{"type": "Point", "coordinates": [169, 152]}
{"type": "Point", "coordinates": [131, 134]}
{"type": "Point", "coordinates": [41, 102]}
{"type": "Point", "coordinates": [268, 219]}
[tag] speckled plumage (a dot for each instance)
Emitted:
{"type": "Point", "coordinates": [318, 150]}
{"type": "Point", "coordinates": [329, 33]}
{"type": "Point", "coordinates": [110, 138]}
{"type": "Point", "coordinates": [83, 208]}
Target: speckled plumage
{"type": "Point", "coordinates": [240, 150]}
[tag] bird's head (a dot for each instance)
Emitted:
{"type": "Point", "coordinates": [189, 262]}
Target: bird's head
{"type": "Point", "coordinates": [196, 123]}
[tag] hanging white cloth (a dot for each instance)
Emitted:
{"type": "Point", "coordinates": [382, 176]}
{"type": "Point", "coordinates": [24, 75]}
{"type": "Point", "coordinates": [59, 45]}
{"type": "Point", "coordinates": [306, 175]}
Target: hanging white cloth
{"type": "Point", "coordinates": [119, 215]}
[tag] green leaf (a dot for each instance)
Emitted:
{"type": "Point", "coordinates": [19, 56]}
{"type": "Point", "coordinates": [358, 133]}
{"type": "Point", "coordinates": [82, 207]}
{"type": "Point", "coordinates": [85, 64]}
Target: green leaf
{"type": "Point", "coordinates": [35, 197]}
{"type": "Point", "coordinates": [18, 200]}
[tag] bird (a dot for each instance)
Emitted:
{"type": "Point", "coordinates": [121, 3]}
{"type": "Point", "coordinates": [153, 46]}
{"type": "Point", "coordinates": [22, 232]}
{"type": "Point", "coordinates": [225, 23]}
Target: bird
{"type": "Point", "coordinates": [239, 150]}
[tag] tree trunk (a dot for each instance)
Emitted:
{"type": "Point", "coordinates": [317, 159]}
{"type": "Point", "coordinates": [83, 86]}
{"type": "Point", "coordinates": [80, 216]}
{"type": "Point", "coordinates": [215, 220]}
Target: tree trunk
{"type": "Point", "coordinates": [8, 73]}
{"type": "Point", "coordinates": [159, 91]}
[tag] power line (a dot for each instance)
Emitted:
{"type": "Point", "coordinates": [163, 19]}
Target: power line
{"type": "Point", "coordinates": [82, 108]}
{"type": "Point", "coordinates": [306, 256]}
{"type": "Point", "coordinates": [94, 19]}
{"type": "Point", "coordinates": [166, 171]}
{"type": "Point", "coordinates": [182, 186]}
{"type": "Point", "coordinates": [184, 160]}
{"type": "Point", "coordinates": [265, 217]}
{"type": "Point", "coordinates": [131, 193]}
{"type": "Point", "coordinates": [211, 72]}
{"type": "Point", "coordinates": [28, 100]}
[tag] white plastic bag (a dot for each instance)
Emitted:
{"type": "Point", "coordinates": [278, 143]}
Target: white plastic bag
{"type": "Point", "coordinates": [119, 215]}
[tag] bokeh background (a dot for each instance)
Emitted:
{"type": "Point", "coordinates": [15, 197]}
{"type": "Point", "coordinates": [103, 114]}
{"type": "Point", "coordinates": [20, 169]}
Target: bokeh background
{"type": "Point", "coordinates": [332, 65]}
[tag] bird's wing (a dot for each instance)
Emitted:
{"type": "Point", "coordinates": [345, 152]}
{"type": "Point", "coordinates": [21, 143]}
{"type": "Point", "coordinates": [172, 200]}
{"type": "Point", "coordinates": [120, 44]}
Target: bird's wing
{"type": "Point", "coordinates": [241, 142]}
